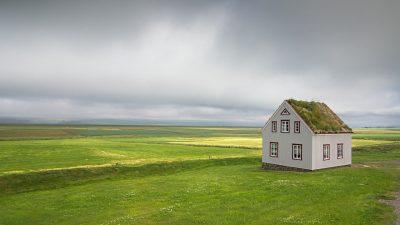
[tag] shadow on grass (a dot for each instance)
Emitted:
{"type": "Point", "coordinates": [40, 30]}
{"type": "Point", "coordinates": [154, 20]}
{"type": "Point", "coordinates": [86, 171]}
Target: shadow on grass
{"type": "Point", "coordinates": [50, 179]}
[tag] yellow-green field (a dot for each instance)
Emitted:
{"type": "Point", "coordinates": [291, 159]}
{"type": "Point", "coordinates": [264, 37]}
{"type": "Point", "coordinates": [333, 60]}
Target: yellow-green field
{"type": "Point", "coordinates": [256, 142]}
{"type": "Point", "coordinates": [246, 142]}
{"type": "Point", "coordinates": [362, 137]}
{"type": "Point", "coordinates": [185, 175]}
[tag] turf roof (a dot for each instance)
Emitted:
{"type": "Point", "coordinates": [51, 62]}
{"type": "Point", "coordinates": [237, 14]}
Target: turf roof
{"type": "Point", "coordinates": [319, 117]}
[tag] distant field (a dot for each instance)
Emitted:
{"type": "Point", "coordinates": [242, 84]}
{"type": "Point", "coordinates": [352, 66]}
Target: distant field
{"type": "Point", "coordinates": [17, 132]}
{"type": "Point", "coordinates": [377, 134]}
{"type": "Point", "coordinates": [245, 142]}
{"type": "Point", "coordinates": [184, 175]}
{"type": "Point", "coordinates": [23, 156]}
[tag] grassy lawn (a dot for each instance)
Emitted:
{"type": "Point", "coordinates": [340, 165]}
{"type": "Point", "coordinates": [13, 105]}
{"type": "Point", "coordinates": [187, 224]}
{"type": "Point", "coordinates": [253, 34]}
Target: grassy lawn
{"type": "Point", "coordinates": [229, 194]}
{"type": "Point", "coordinates": [136, 175]}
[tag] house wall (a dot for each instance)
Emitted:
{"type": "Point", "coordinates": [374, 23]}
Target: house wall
{"type": "Point", "coordinates": [285, 140]}
{"type": "Point", "coordinates": [318, 140]}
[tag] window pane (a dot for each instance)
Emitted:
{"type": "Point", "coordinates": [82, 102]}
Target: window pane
{"type": "Point", "coordinates": [340, 150]}
{"type": "Point", "coordinates": [285, 126]}
{"type": "Point", "coordinates": [296, 151]}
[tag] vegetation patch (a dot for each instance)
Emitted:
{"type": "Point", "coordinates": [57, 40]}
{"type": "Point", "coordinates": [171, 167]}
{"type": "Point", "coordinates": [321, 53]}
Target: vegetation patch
{"type": "Point", "coordinates": [319, 117]}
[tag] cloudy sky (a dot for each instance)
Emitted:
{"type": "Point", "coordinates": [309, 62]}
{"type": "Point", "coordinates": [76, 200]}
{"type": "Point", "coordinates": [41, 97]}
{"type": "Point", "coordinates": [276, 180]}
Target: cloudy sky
{"type": "Point", "coordinates": [199, 62]}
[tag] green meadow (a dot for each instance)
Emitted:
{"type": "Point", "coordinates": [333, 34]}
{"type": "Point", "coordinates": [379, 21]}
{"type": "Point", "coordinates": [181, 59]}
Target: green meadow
{"type": "Point", "coordinates": [185, 175]}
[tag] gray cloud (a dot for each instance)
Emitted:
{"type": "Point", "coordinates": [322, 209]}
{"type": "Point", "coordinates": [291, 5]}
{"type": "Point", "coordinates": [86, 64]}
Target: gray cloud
{"type": "Point", "coordinates": [198, 60]}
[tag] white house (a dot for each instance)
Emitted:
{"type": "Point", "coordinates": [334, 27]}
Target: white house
{"type": "Point", "coordinates": [303, 135]}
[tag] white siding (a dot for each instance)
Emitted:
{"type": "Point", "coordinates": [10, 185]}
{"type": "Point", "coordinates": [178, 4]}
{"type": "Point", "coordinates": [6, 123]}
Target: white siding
{"type": "Point", "coordinates": [285, 140]}
{"type": "Point", "coordinates": [312, 144]}
{"type": "Point", "coordinates": [332, 139]}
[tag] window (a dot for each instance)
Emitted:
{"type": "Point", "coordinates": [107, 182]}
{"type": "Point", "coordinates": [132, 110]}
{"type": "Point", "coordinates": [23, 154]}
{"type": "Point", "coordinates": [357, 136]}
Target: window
{"type": "Point", "coordinates": [296, 151]}
{"type": "Point", "coordinates": [285, 126]}
{"type": "Point", "coordinates": [297, 126]}
{"type": "Point", "coordinates": [285, 112]}
{"type": "Point", "coordinates": [326, 152]}
{"type": "Point", "coordinates": [273, 126]}
{"type": "Point", "coordinates": [340, 151]}
{"type": "Point", "coordinates": [273, 151]}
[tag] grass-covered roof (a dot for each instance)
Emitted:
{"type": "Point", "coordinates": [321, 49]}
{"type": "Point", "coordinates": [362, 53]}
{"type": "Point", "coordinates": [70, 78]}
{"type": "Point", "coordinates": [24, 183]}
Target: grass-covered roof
{"type": "Point", "coordinates": [319, 117]}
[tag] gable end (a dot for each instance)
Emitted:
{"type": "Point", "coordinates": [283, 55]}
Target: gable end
{"type": "Point", "coordinates": [282, 107]}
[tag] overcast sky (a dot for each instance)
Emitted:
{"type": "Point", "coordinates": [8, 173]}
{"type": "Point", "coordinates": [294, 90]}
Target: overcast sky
{"type": "Point", "coordinates": [205, 62]}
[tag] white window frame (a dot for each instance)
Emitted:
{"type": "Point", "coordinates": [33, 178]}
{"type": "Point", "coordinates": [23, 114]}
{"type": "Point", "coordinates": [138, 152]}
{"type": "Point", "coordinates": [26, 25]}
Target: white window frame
{"type": "Point", "coordinates": [285, 126]}
{"type": "Point", "coordinates": [297, 151]}
{"type": "Point", "coordinates": [273, 149]}
{"type": "Point", "coordinates": [326, 152]}
{"type": "Point", "coordinates": [340, 151]}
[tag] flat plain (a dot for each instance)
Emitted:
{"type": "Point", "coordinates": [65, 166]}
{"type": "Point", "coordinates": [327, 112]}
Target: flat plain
{"type": "Point", "coordinates": [185, 175]}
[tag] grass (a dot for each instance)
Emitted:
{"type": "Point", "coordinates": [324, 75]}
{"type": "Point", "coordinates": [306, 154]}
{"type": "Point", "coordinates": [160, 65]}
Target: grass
{"type": "Point", "coordinates": [367, 142]}
{"type": "Point", "coordinates": [240, 142]}
{"type": "Point", "coordinates": [19, 132]}
{"type": "Point", "coordinates": [319, 117]}
{"type": "Point", "coordinates": [377, 134]}
{"type": "Point", "coordinates": [98, 175]}
{"type": "Point", "coordinates": [29, 155]}
{"type": "Point", "coordinates": [230, 194]}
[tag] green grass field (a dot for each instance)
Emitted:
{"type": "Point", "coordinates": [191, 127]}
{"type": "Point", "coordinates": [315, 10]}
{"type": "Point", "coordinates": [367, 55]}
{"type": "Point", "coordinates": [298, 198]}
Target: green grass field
{"type": "Point", "coordinates": [184, 175]}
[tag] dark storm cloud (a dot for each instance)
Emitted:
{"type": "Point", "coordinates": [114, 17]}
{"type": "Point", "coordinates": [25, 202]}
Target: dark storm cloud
{"type": "Point", "coordinates": [199, 60]}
